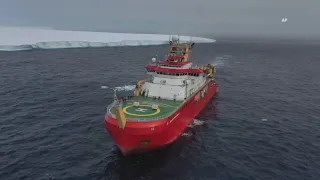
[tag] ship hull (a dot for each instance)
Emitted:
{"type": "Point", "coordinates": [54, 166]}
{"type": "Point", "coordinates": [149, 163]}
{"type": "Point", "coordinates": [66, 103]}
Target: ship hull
{"type": "Point", "coordinates": [139, 137]}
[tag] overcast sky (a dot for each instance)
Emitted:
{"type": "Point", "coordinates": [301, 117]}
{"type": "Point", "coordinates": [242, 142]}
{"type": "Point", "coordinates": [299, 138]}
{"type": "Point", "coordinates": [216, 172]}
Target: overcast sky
{"type": "Point", "coordinates": [191, 17]}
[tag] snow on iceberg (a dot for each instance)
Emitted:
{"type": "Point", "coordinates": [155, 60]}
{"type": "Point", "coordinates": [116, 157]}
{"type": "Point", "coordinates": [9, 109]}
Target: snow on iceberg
{"type": "Point", "coordinates": [18, 38]}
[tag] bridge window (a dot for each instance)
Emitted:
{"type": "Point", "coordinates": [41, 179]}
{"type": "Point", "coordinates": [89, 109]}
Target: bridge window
{"type": "Point", "coordinates": [176, 74]}
{"type": "Point", "coordinates": [164, 65]}
{"type": "Point", "coordinates": [192, 74]}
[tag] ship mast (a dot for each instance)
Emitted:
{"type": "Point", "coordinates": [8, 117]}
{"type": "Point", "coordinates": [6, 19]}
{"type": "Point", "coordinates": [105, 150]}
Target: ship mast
{"type": "Point", "coordinates": [179, 52]}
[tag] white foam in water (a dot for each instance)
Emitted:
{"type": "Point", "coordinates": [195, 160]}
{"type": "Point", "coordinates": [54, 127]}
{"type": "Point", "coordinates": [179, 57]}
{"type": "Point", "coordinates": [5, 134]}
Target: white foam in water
{"type": "Point", "coordinates": [220, 61]}
{"type": "Point", "coordinates": [196, 122]}
{"type": "Point", "coordinates": [121, 88]}
{"type": "Point", "coordinates": [104, 87]}
{"type": "Point", "coordinates": [187, 134]}
{"type": "Point", "coordinates": [23, 38]}
{"type": "Point", "coordinates": [126, 88]}
{"type": "Point", "coordinates": [264, 119]}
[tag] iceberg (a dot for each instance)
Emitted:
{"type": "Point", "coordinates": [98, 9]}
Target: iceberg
{"type": "Point", "coordinates": [23, 38]}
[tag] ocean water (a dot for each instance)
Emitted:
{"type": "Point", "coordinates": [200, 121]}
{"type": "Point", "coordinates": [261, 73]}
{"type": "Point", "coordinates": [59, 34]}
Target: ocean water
{"type": "Point", "coordinates": [264, 124]}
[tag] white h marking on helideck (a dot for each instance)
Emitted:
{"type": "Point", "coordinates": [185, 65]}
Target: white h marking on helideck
{"type": "Point", "coordinates": [141, 110]}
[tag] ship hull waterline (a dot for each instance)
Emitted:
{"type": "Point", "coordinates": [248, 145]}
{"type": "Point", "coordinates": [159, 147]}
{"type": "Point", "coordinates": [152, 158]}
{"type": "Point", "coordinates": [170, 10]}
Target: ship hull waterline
{"type": "Point", "coordinates": [140, 137]}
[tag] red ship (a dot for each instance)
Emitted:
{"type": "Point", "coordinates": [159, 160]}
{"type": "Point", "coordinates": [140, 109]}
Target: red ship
{"type": "Point", "coordinates": [161, 108]}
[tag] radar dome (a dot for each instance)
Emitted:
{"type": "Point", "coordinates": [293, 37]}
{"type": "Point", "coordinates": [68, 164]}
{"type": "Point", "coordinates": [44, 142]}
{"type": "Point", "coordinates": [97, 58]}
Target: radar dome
{"type": "Point", "coordinates": [153, 60]}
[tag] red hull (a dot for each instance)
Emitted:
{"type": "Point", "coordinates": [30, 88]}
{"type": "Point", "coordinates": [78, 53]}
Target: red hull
{"type": "Point", "coordinates": [160, 132]}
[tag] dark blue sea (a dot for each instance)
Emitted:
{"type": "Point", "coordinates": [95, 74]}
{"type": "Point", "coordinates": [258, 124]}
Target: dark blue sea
{"type": "Point", "coordinates": [264, 124]}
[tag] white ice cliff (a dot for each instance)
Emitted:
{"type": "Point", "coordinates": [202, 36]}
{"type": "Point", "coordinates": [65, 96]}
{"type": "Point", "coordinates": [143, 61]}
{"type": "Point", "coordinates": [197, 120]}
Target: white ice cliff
{"type": "Point", "coordinates": [17, 38]}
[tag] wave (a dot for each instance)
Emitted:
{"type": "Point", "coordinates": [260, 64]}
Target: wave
{"type": "Point", "coordinates": [18, 39]}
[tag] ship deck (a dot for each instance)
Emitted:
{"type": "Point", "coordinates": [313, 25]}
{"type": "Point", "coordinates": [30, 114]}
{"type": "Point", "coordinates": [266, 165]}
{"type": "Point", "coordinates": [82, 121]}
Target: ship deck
{"type": "Point", "coordinates": [145, 112]}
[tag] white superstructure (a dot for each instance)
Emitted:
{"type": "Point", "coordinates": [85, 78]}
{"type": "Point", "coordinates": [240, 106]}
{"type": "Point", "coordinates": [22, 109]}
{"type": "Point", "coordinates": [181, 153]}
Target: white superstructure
{"type": "Point", "coordinates": [176, 78]}
{"type": "Point", "coordinates": [171, 86]}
